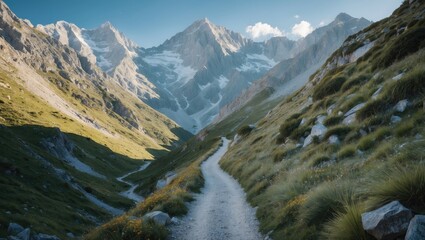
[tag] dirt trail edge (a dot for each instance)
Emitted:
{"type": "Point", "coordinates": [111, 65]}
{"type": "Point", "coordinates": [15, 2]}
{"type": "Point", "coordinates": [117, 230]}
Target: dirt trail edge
{"type": "Point", "coordinates": [221, 210]}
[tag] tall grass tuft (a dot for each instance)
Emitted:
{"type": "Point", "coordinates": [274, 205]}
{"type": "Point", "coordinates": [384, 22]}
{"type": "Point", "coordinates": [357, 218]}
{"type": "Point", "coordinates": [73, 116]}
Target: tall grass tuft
{"type": "Point", "coordinates": [324, 202]}
{"type": "Point", "coordinates": [347, 225]}
{"type": "Point", "coordinates": [405, 185]}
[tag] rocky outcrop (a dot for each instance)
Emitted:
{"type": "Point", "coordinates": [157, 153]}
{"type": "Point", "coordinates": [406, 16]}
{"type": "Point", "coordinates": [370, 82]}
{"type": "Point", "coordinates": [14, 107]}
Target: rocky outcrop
{"type": "Point", "coordinates": [158, 217]}
{"type": "Point", "coordinates": [17, 232]}
{"type": "Point", "coordinates": [388, 222]}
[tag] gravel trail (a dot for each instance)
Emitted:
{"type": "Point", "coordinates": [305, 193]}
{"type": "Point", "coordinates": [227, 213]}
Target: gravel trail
{"type": "Point", "coordinates": [221, 210]}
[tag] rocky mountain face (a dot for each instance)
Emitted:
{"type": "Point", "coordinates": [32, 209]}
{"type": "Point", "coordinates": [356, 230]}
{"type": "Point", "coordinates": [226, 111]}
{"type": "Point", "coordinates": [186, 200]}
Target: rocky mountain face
{"type": "Point", "coordinates": [292, 73]}
{"type": "Point", "coordinates": [202, 69]}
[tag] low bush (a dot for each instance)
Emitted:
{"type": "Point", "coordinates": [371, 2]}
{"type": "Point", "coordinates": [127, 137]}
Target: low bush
{"type": "Point", "coordinates": [286, 129]}
{"type": "Point", "coordinates": [244, 130]}
{"type": "Point", "coordinates": [366, 142]}
{"type": "Point", "coordinates": [317, 160]}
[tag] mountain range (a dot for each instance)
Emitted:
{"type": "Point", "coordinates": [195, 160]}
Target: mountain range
{"type": "Point", "coordinates": [204, 68]}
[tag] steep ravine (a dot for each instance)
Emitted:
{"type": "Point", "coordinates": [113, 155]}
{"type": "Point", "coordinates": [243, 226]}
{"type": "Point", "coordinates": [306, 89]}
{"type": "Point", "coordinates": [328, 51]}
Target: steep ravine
{"type": "Point", "coordinates": [221, 210]}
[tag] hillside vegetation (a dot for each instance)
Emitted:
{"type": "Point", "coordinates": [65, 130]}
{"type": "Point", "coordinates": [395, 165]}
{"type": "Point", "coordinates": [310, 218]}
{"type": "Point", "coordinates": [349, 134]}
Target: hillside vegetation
{"type": "Point", "coordinates": [359, 161]}
{"type": "Point", "coordinates": [349, 141]}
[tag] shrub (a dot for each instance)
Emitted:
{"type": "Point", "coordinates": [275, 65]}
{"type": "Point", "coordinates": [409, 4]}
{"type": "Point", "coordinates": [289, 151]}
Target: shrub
{"type": "Point", "coordinates": [324, 201]}
{"type": "Point", "coordinates": [174, 206]}
{"type": "Point", "coordinates": [405, 185]}
{"type": "Point", "coordinates": [286, 129]}
{"type": "Point", "coordinates": [347, 225]}
{"type": "Point", "coordinates": [328, 87]}
{"type": "Point", "coordinates": [245, 130]}
{"type": "Point", "coordinates": [346, 151]}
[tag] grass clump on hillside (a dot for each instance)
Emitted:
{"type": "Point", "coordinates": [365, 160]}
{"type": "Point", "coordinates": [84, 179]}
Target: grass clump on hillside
{"type": "Point", "coordinates": [324, 202]}
{"type": "Point", "coordinates": [287, 128]}
{"type": "Point", "coordinates": [346, 151]}
{"type": "Point", "coordinates": [328, 86]}
{"type": "Point", "coordinates": [347, 225]}
{"type": "Point", "coordinates": [404, 185]}
{"type": "Point", "coordinates": [245, 130]}
{"type": "Point", "coordinates": [407, 43]}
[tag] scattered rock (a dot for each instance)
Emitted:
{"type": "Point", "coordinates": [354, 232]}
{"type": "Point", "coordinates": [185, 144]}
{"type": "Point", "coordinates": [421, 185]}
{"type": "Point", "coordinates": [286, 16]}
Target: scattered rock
{"type": "Point", "coordinates": [318, 130]}
{"type": "Point", "coordinates": [398, 77]}
{"type": "Point", "coordinates": [376, 93]}
{"type": "Point", "coordinates": [395, 119]}
{"type": "Point", "coordinates": [349, 120]}
{"type": "Point", "coordinates": [308, 140]}
{"type": "Point", "coordinates": [401, 105]}
{"type": "Point", "coordinates": [70, 235]}
{"type": "Point", "coordinates": [331, 108]}
{"type": "Point", "coordinates": [175, 220]}
{"type": "Point", "coordinates": [354, 109]}
{"type": "Point", "coordinates": [24, 235]}
{"type": "Point", "coordinates": [320, 119]}
{"type": "Point", "coordinates": [388, 222]}
{"type": "Point", "coordinates": [14, 229]}
{"type": "Point", "coordinates": [158, 217]}
{"type": "Point", "coordinates": [333, 140]}
{"type": "Point", "coordinates": [416, 230]}
{"type": "Point", "coordinates": [363, 132]}
{"type": "Point", "coordinates": [303, 121]}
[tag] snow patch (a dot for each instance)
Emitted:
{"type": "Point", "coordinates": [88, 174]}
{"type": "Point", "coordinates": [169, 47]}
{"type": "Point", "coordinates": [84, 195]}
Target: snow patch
{"type": "Point", "coordinates": [173, 62]}
{"type": "Point", "coordinates": [222, 81]}
{"type": "Point", "coordinates": [256, 63]}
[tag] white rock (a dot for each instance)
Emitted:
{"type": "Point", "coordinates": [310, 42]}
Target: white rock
{"type": "Point", "coordinates": [158, 217]}
{"type": "Point", "coordinates": [14, 229]}
{"type": "Point", "coordinates": [308, 141]}
{"type": "Point", "coordinates": [349, 120]}
{"type": "Point", "coordinates": [416, 230]}
{"type": "Point", "coordinates": [320, 119]}
{"type": "Point", "coordinates": [24, 235]}
{"type": "Point", "coordinates": [333, 139]}
{"type": "Point", "coordinates": [354, 109]}
{"type": "Point", "coordinates": [398, 77]}
{"type": "Point", "coordinates": [376, 93]}
{"type": "Point", "coordinates": [331, 108]}
{"type": "Point", "coordinates": [303, 121]}
{"type": "Point", "coordinates": [401, 105]}
{"type": "Point", "coordinates": [318, 130]}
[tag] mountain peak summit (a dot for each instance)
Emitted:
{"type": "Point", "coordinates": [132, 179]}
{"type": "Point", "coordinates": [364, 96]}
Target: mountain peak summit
{"type": "Point", "coordinates": [343, 17]}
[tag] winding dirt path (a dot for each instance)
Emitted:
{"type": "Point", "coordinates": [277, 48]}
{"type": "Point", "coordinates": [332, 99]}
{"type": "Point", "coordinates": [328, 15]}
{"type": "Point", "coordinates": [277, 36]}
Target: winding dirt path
{"type": "Point", "coordinates": [130, 194]}
{"type": "Point", "coordinates": [221, 210]}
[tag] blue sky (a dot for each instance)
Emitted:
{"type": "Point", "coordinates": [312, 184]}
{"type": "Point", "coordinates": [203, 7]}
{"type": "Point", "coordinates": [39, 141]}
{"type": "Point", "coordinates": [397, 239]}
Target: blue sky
{"type": "Point", "coordinates": [149, 23]}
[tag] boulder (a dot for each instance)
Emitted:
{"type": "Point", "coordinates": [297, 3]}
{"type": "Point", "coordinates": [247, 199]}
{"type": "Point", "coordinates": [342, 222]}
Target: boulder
{"type": "Point", "coordinates": [318, 130]}
{"type": "Point", "coordinates": [388, 222]}
{"type": "Point", "coordinates": [14, 229]}
{"type": "Point", "coordinates": [401, 105]}
{"type": "Point", "coordinates": [349, 120]}
{"type": "Point", "coordinates": [398, 77]}
{"type": "Point", "coordinates": [416, 230]}
{"type": "Point", "coordinates": [24, 235]}
{"type": "Point", "coordinates": [354, 109]}
{"type": "Point", "coordinates": [158, 217]}
{"type": "Point", "coordinates": [308, 140]}
{"type": "Point", "coordinates": [376, 93]}
{"type": "Point", "coordinates": [320, 119]}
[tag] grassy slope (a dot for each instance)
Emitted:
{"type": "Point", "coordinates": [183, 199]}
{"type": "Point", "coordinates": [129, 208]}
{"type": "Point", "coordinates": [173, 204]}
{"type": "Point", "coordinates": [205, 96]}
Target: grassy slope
{"type": "Point", "coordinates": [31, 194]}
{"type": "Point", "coordinates": [320, 190]}
{"type": "Point", "coordinates": [303, 193]}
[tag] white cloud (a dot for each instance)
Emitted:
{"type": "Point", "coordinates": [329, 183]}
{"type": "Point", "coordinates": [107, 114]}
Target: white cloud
{"type": "Point", "coordinates": [262, 31]}
{"type": "Point", "coordinates": [297, 16]}
{"type": "Point", "coordinates": [322, 23]}
{"type": "Point", "coordinates": [302, 29]}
